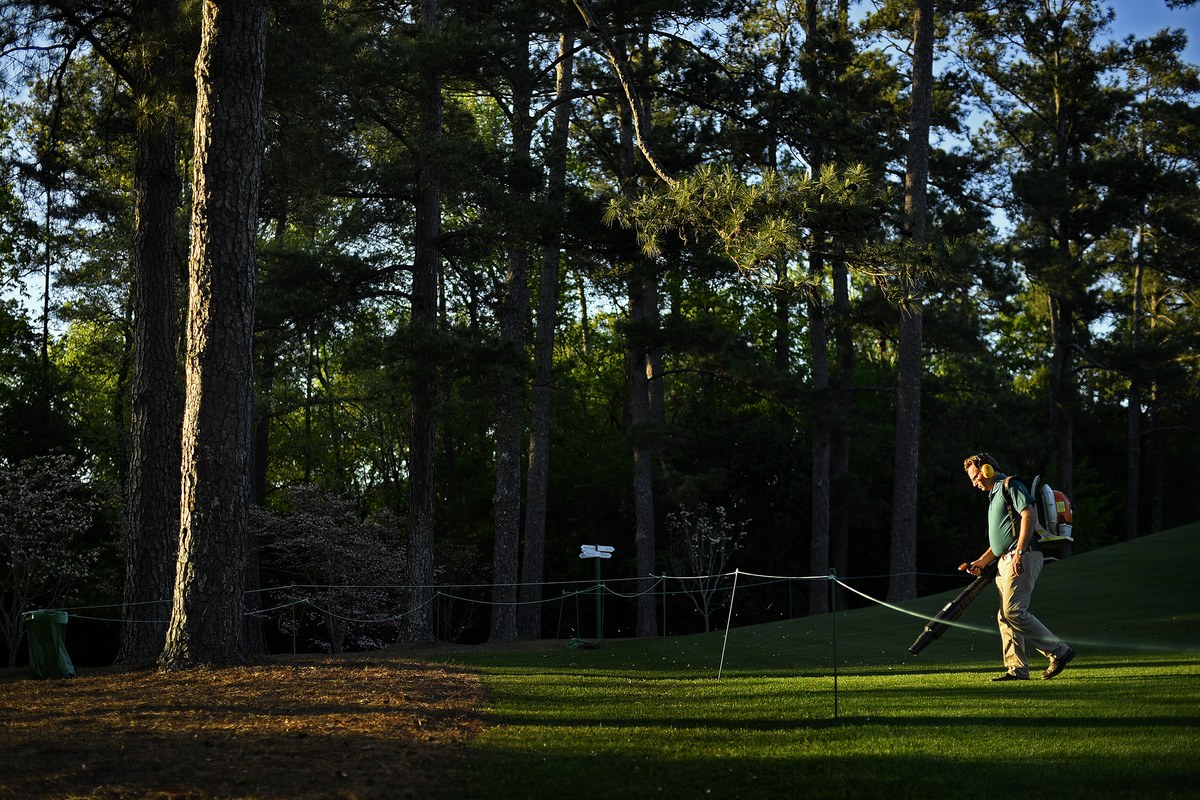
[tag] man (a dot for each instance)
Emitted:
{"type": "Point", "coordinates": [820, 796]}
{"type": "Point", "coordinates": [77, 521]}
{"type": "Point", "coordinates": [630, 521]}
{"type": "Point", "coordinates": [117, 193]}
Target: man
{"type": "Point", "coordinates": [1012, 538]}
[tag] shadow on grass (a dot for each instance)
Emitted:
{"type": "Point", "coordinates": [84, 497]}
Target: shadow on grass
{"type": "Point", "coordinates": [818, 773]}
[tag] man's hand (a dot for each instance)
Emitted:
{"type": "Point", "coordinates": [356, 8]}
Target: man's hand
{"type": "Point", "coordinates": [971, 567]}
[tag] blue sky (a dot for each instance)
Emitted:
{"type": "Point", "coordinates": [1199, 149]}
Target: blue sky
{"type": "Point", "coordinates": [1144, 17]}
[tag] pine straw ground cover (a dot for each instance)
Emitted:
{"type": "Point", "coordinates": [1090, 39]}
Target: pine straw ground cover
{"type": "Point", "coordinates": [373, 725]}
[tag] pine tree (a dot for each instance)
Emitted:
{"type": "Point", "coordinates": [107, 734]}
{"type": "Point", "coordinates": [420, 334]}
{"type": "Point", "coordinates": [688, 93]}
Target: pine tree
{"type": "Point", "coordinates": [1046, 75]}
{"type": "Point", "coordinates": [902, 585]}
{"type": "Point", "coordinates": [206, 621]}
{"type": "Point", "coordinates": [152, 494]}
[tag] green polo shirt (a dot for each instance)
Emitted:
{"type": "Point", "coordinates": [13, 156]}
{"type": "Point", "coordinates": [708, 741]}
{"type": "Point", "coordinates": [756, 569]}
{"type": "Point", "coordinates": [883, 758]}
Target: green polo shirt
{"type": "Point", "coordinates": [1001, 535]}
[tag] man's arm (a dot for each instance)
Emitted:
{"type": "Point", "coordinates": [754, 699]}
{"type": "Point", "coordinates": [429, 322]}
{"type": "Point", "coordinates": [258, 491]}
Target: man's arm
{"type": "Point", "coordinates": [1024, 537]}
{"type": "Point", "coordinates": [975, 567]}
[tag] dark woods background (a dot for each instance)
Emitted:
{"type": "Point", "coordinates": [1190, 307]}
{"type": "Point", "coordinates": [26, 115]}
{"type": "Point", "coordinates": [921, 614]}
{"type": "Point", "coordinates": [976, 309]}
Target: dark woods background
{"type": "Point", "coordinates": [462, 310]}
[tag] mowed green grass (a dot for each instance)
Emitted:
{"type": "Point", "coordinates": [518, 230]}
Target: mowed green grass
{"type": "Point", "coordinates": [649, 718]}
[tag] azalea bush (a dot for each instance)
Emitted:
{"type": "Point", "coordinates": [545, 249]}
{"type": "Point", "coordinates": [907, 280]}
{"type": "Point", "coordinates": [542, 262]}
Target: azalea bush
{"type": "Point", "coordinates": [332, 566]}
{"type": "Point", "coordinates": [45, 508]}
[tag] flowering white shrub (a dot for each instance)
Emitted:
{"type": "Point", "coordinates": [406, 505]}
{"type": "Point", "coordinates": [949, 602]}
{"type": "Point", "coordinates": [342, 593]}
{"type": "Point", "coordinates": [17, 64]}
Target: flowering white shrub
{"type": "Point", "coordinates": [44, 508]}
{"type": "Point", "coordinates": [331, 565]}
{"type": "Point", "coordinates": [702, 539]}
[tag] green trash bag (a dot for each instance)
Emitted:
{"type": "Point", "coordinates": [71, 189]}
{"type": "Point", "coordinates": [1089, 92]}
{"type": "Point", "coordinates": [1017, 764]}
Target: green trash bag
{"type": "Point", "coordinates": [46, 632]}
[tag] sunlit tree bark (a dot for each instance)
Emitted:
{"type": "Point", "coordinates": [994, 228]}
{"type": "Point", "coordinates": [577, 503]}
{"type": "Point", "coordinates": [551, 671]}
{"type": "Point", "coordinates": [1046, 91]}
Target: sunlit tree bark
{"type": "Point", "coordinates": [206, 621]}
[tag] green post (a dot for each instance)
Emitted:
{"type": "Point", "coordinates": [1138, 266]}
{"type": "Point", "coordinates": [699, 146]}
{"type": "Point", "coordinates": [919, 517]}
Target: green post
{"type": "Point", "coordinates": [599, 603]}
{"type": "Point", "coordinates": [597, 551]}
{"type": "Point", "coordinates": [833, 623]}
{"type": "Point", "coordinates": [662, 581]}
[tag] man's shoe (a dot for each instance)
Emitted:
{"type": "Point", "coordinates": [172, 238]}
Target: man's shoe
{"type": "Point", "coordinates": [1010, 676]}
{"type": "Point", "coordinates": [1057, 665]}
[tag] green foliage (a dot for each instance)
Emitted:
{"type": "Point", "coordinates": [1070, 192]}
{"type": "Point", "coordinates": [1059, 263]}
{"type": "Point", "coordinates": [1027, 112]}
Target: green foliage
{"type": "Point", "coordinates": [755, 224]}
{"type": "Point", "coordinates": [96, 355]}
{"type": "Point", "coordinates": [10, 205]}
{"type": "Point", "coordinates": [36, 418]}
{"type": "Point", "coordinates": [789, 143]}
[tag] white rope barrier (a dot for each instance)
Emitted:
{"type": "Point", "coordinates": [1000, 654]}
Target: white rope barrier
{"type": "Point", "coordinates": [582, 588]}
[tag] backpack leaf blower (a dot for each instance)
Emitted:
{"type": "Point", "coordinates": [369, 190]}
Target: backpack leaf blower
{"type": "Point", "coordinates": [954, 609]}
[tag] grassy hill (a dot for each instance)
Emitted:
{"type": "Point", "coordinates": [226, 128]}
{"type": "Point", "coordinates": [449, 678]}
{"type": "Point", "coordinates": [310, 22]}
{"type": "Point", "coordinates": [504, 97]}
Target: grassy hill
{"type": "Point", "coordinates": [645, 718]}
{"type": "Point", "coordinates": [1138, 596]}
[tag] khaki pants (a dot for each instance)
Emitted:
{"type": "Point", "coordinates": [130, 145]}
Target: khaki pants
{"type": "Point", "coordinates": [1016, 623]}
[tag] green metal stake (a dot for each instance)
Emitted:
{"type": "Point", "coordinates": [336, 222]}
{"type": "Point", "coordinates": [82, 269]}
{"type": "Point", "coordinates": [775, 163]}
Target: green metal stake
{"type": "Point", "coordinates": [662, 581]}
{"type": "Point", "coordinates": [599, 603]}
{"type": "Point", "coordinates": [597, 551]}
{"type": "Point", "coordinates": [833, 613]}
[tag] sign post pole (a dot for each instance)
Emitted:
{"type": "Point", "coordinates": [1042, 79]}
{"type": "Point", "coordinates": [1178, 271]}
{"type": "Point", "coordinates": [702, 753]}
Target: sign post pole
{"type": "Point", "coordinates": [598, 552]}
{"type": "Point", "coordinates": [599, 604]}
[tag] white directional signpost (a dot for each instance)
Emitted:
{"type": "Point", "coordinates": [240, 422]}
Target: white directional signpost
{"type": "Point", "coordinates": [598, 552]}
{"type": "Point", "coordinates": [595, 551]}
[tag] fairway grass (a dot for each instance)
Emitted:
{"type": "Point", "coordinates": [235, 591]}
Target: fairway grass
{"type": "Point", "coordinates": [835, 706]}
{"type": "Point", "coordinates": [1124, 728]}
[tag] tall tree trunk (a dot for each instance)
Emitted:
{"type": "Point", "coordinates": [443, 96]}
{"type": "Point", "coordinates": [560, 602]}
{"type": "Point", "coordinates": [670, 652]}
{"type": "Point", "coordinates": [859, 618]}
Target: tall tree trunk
{"type": "Point", "coordinates": [533, 555]}
{"type": "Point", "coordinates": [783, 324]}
{"type": "Point", "coordinates": [506, 501]}
{"type": "Point", "coordinates": [843, 398]}
{"type": "Point", "coordinates": [839, 457]}
{"type": "Point", "coordinates": [903, 582]}
{"type": "Point", "coordinates": [256, 637]}
{"type": "Point", "coordinates": [152, 494]}
{"type": "Point", "coordinates": [647, 540]}
{"type": "Point", "coordinates": [585, 324]}
{"type": "Point", "coordinates": [426, 268]}
{"type": "Point", "coordinates": [447, 433]}
{"type": "Point", "coordinates": [1133, 474]}
{"type": "Point", "coordinates": [267, 372]}
{"type": "Point", "coordinates": [818, 553]}
{"type": "Point", "coordinates": [818, 335]}
{"type": "Point", "coordinates": [1155, 450]}
{"type": "Point", "coordinates": [643, 320]}
{"type": "Point", "coordinates": [207, 618]}
{"type": "Point", "coordinates": [1062, 390]}
{"type": "Point", "coordinates": [514, 315]}
{"type": "Point", "coordinates": [1154, 461]}
{"type": "Point", "coordinates": [643, 323]}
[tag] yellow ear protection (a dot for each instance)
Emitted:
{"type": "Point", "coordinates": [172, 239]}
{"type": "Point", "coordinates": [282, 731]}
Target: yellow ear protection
{"type": "Point", "coordinates": [985, 464]}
